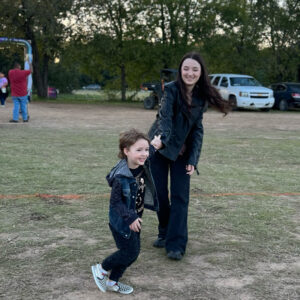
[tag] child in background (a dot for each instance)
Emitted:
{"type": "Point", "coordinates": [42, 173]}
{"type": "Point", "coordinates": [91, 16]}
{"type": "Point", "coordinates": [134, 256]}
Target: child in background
{"type": "Point", "coordinates": [132, 191]}
{"type": "Point", "coordinates": [3, 89]}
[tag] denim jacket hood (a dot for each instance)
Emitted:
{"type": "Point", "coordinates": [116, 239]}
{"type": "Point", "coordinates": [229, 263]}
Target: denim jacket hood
{"type": "Point", "coordinates": [120, 169]}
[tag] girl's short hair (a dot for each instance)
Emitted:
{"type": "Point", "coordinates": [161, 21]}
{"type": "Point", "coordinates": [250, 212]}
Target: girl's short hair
{"type": "Point", "coordinates": [128, 138]}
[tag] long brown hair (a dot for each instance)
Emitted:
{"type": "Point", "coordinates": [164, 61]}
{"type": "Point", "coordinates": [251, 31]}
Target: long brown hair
{"type": "Point", "coordinates": [203, 88]}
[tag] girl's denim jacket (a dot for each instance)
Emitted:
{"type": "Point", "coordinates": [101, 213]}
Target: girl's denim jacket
{"type": "Point", "coordinates": [123, 196]}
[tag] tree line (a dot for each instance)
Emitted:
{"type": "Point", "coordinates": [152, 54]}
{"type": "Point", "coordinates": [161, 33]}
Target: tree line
{"type": "Point", "coordinates": [121, 43]}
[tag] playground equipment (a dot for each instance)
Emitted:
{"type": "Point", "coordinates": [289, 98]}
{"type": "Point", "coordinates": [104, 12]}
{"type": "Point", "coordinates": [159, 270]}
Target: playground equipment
{"type": "Point", "coordinates": [27, 58]}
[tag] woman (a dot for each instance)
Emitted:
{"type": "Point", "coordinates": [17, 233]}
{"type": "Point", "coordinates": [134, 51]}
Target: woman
{"type": "Point", "coordinates": [179, 124]}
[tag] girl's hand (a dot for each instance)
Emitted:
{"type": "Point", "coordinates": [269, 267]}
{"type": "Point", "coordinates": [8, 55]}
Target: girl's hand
{"type": "Point", "coordinates": [136, 225]}
{"type": "Point", "coordinates": [190, 169]}
{"type": "Point", "coordinates": [156, 142]}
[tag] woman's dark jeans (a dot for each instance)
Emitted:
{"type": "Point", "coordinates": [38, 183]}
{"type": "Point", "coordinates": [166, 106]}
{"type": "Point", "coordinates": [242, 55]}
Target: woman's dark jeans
{"type": "Point", "coordinates": [120, 260]}
{"type": "Point", "coordinates": [172, 215]}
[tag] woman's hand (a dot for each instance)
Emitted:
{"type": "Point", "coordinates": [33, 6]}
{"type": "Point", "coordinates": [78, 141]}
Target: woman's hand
{"type": "Point", "coordinates": [190, 169]}
{"type": "Point", "coordinates": [156, 142]}
{"type": "Point", "coordinates": [136, 225]}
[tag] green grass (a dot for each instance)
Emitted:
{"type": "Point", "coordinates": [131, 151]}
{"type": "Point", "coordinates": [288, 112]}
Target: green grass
{"type": "Point", "coordinates": [240, 247]}
{"type": "Point", "coordinates": [97, 97]}
{"type": "Point", "coordinates": [249, 162]}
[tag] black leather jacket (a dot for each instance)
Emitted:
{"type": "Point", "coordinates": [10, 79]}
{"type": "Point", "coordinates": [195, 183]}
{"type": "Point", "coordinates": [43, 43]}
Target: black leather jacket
{"type": "Point", "coordinates": [177, 126]}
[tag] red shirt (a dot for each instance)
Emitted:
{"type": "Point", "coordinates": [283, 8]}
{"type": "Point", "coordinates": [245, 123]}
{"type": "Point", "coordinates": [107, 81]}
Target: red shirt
{"type": "Point", "coordinates": [18, 82]}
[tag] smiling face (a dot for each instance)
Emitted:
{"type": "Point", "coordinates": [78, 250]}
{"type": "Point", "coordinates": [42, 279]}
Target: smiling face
{"type": "Point", "coordinates": [190, 72]}
{"type": "Point", "coordinates": [137, 153]}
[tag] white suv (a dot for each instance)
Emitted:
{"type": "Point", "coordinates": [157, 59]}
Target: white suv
{"type": "Point", "coordinates": [243, 91]}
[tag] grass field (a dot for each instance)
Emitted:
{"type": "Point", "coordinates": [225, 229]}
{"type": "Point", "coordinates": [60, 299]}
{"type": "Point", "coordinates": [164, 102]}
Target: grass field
{"type": "Point", "coordinates": [103, 95]}
{"type": "Point", "coordinates": [244, 215]}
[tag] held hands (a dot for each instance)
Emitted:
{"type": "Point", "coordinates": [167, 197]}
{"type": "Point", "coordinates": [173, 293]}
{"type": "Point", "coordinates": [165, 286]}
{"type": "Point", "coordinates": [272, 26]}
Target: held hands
{"type": "Point", "coordinates": [190, 169]}
{"type": "Point", "coordinates": [156, 142]}
{"type": "Point", "coordinates": [136, 225]}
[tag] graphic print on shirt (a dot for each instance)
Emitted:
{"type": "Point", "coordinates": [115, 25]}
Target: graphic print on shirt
{"type": "Point", "coordinates": [140, 194]}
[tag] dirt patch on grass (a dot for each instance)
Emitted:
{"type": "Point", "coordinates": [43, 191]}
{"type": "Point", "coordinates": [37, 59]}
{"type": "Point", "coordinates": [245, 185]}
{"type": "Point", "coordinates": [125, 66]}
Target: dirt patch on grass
{"type": "Point", "coordinates": [112, 117]}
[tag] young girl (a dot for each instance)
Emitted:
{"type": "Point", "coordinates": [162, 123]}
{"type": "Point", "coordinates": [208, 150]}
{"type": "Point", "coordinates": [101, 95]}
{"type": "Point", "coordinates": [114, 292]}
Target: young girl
{"type": "Point", "coordinates": [180, 125]}
{"type": "Point", "coordinates": [132, 191]}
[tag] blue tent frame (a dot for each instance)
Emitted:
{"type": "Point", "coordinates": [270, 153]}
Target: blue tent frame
{"type": "Point", "coordinates": [28, 49]}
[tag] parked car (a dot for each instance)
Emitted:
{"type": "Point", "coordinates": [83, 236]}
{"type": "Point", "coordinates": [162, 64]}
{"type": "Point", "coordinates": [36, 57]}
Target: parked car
{"type": "Point", "coordinates": [157, 87]}
{"type": "Point", "coordinates": [92, 87]}
{"type": "Point", "coordinates": [286, 94]}
{"type": "Point", "coordinates": [243, 91]}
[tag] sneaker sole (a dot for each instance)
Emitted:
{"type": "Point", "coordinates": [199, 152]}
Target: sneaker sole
{"type": "Point", "coordinates": [96, 280]}
{"type": "Point", "coordinates": [126, 293]}
{"type": "Point", "coordinates": [120, 290]}
{"type": "Point", "coordinates": [129, 289]}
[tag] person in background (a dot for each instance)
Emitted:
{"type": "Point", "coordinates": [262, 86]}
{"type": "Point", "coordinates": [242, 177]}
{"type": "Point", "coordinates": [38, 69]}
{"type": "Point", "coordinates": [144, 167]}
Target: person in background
{"type": "Point", "coordinates": [19, 93]}
{"type": "Point", "coordinates": [3, 89]}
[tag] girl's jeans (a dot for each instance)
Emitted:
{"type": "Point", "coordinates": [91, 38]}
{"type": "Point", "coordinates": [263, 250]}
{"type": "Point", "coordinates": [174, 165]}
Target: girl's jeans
{"type": "Point", "coordinates": [20, 101]}
{"type": "Point", "coordinates": [120, 260]}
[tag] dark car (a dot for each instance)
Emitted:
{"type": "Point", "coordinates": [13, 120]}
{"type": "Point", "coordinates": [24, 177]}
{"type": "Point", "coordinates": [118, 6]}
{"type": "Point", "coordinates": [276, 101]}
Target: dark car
{"type": "Point", "coordinates": [286, 94]}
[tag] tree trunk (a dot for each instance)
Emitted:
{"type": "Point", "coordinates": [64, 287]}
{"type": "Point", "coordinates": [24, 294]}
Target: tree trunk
{"type": "Point", "coordinates": [298, 70]}
{"type": "Point", "coordinates": [37, 78]}
{"type": "Point", "coordinates": [40, 74]}
{"type": "Point", "coordinates": [165, 52]}
{"type": "Point", "coordinates": [44, 75]}
{"type": "Point", "coordinates": [123, 82]}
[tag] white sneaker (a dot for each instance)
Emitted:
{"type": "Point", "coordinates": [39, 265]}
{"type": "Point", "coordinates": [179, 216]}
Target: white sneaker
{"type": "Point", "coordinates": [99, 271]}
{"type": "Point", "coordinates": [100, 278]}
{"type": "Point", "coordinates": [121, 288]}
